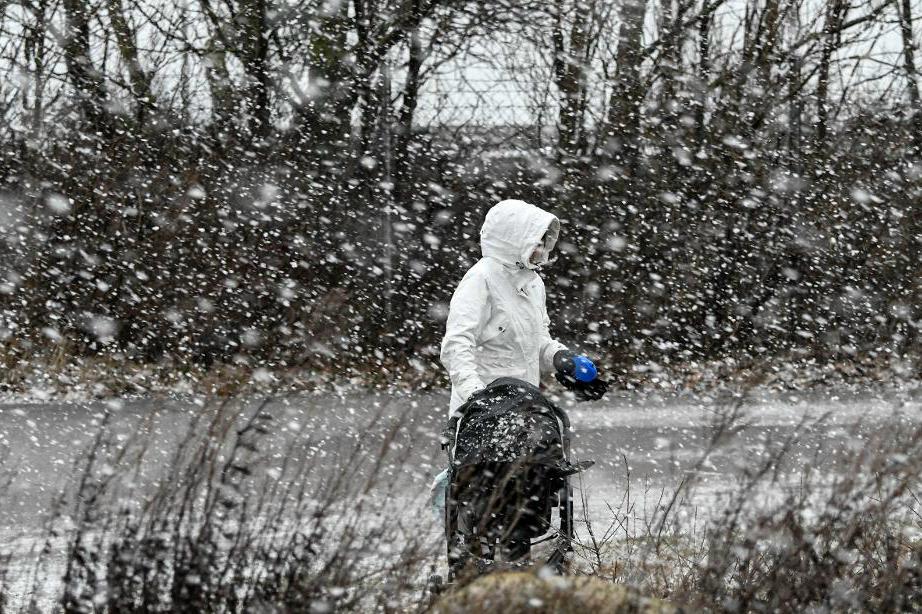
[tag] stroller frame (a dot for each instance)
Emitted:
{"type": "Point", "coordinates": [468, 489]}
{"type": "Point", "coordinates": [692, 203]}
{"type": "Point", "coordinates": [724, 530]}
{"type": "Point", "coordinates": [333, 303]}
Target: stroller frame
{"type": "Point", "coordinates": [564, 499]}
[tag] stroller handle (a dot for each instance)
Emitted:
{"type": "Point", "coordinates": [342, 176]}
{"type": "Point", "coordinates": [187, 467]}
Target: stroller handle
{"type": "Point", "coordinates": [450, 432]}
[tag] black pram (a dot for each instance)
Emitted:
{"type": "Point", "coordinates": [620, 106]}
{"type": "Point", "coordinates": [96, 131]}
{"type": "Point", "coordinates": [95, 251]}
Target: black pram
{"type": "Point", "coordinates": [509, 453]}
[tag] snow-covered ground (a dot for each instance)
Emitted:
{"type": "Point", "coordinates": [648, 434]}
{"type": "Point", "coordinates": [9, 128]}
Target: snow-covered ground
{"type": "Point", "coordinates": [659, 438]}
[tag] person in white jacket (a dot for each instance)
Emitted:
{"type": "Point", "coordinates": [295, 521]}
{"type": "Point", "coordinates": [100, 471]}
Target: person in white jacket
{"type": "Point", "coordinates": [497, 321]}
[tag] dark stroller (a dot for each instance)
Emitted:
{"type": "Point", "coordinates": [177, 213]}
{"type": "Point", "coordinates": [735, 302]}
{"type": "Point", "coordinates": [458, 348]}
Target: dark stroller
{"type": "Point", "coordinates": [509, 468]}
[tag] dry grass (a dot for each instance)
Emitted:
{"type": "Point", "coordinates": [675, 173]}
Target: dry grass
{"type": "Point", "coordinates": [236, 521]}
{"type": "Point", "coordinates": [829, 541]}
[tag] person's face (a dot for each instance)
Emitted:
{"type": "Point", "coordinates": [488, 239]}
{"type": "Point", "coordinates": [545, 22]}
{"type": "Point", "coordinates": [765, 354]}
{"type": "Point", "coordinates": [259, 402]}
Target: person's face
{"type": "Point", "coordinates": [538, 255]}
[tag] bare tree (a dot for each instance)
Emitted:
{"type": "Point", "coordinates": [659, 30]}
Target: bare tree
{"type": "Point", "coordinates": [904, 8]}
{"type": "Point", "coordinates": [86, 78]}
{"type": "Point", "coordinates": [624, 106]}
{"type": "Point", "coordinates": [128, 49]}
{"type": "Point", "coordinates": [572, 56]}
{"type": "Point", "coordinates": [242, 30]}
{"type": "Point", "coordinates": [703, 77]}
{"type": "Point", "coordinates": [836, 12]}
{"type": "Point", "coordinates": [37, 60]}
{"type": "Point", "coordinates": [254, 33]}
{"type": "Point", "coordinates": [408, 106]}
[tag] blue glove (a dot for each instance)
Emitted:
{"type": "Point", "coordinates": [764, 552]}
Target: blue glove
{"type": "Point", "coordinates": [583, 369]}
{"type": "Point", "coordinates": [577, 366]}
{"type": "Point", "coordinates": [579, 374]}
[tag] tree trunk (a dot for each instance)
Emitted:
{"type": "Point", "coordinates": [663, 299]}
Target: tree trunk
{"type": "Point", "coordinates": [255, 59]}
{"type": "Point", "coordinates": [87, 80]}
{"type": "Point", "coordinates": [323, 123]}
{"type": "Point", "coordinates": [669, 60]}
{"type": "Point", "coordinates": [912, 77]}
{"type": "Point", "coordinates": [223, 99]}
{"type": "Point", "coordinates": [795, 119]}
{"type": "Point", "coordinates": [36, 44]}
{"type": "Point", "coordinates": [128, 49]}
{"type": "Point", "coordinates": [752, 92]}
{"type": "Point", "coordinates": [832, 35]}
{"type": "Point", "coordinates": [570, 78]}
{"type": "Point", "coordinates": [705, 19]}
{"type": "Point", "coordinates": [767, 38]}
{"type": "Point", "coordinates": [628, 93]}
{"type": "Point", "coordinates": [407, 113]}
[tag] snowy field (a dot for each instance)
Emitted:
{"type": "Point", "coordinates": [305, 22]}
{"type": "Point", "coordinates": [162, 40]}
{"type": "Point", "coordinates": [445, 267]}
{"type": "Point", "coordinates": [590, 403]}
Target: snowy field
{"type": "Point", "coordinates": [659, 438]}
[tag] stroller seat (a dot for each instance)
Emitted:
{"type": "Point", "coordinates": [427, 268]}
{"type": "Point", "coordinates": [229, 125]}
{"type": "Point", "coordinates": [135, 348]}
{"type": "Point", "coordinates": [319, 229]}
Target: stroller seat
{"type": "Point", "coordinates": [509, 469]}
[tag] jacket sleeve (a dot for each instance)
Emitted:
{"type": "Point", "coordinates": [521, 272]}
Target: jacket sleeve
{"type": "Point", "coordinates": [548, 346]}
{"type": "Point", "coordinates": [467, 316]}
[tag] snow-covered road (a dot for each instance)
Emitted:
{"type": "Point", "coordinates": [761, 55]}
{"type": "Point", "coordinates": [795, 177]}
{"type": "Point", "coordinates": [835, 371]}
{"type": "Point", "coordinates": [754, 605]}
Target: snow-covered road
{"type": "Point", "coordinates": [659, 437]}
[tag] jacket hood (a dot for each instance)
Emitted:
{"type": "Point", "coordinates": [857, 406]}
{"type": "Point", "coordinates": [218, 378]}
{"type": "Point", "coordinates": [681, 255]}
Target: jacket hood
{"type": "Point", "coordinates": [513, 229]}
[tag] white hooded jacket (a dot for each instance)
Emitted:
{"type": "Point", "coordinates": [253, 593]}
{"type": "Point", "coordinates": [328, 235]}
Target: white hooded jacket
{"type": "Point", "coordinates": [497, 322]}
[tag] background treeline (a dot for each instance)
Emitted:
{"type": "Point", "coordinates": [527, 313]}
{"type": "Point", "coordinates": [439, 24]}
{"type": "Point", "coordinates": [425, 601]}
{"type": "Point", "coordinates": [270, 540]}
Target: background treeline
{"type": "Point", "coordinates": [293, 183]}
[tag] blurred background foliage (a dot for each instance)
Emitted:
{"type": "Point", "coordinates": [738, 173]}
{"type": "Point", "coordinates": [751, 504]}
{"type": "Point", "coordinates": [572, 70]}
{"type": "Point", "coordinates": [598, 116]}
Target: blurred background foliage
{"type": "Point", "coordinates": [300, 183]}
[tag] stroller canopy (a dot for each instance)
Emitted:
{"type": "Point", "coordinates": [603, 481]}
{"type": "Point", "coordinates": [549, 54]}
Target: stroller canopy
{"type": "Point", "coordinates": [509, 421]}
